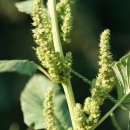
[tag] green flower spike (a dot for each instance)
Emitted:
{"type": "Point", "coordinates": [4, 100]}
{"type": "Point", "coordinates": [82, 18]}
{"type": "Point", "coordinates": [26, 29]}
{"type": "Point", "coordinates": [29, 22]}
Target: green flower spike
{"type": "Point", "coordinates": [64, 10]}
{"type": "Point", "coordinates": [103, 83]}
{"type": "Point", "coordinates": [105, 80]}
{"type": "Point", "coordinates": [79, 117]}
{"type": "Point", "coordinates": [57, 67]}
{"type": "Point", "coordinates": [42, 32]}
{"type": "Point", "coordinates": [48, 110]}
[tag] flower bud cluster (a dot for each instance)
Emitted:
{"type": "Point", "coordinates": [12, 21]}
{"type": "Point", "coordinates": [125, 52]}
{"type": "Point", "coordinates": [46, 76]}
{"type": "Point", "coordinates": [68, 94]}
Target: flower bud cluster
{"type": "Point", "coordinates": [58, 68]}
{"type": "Point", "coordinates": [105, 80]}
{"type": "Point", "coordinates": [103, 83]}
{"type": "Point", "coordinates": [92, 109]}
{"type": "Point", "coordinates": [79, 117]}
{"type": "Point", "coordinates": [48, 111]}
{"type": "Point", "coordinates": [42, 31]}
{"type": "Point", "coordinates": [64, 11]}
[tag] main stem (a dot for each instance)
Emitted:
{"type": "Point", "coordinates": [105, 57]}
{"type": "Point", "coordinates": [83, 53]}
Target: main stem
{"type": "Point", "coordinates": [58, 48]}
{"type": "Point", "coordinates": [55, 29]}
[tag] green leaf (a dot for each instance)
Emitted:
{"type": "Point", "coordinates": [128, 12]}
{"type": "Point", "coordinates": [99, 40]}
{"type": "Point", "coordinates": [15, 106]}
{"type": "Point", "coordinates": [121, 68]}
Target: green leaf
{"type": "Point", "coordinates": [21, 66]}
{"type": "Point", "coordinates": [122, 72]}
{"type": "Point", "coordinates": [32, 99]}
{"type": "Point", "coordinates": [25, 6]}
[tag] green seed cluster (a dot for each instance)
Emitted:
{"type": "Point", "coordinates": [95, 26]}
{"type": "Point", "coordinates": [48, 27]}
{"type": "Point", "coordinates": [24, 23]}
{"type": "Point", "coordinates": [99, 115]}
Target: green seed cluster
{"type": "Point", "coordinates": [79, 117]}
{"type": "Point", "coordinates": [48, 111]}
{"type": "Point", "coordinates": [58, 68]}
{"type": "Point", "coordinates": [42, 31]}
{"type": "Point", "coordinates": [65, 19]}
{"type": "Point", "coordinates": [91, 108]}
{"type": "Point", "coordinates": [81, 120]}
{"type": "Point", "coordinates": [105, 80]}
{"type": "Point", "coordinates": [103, 83]}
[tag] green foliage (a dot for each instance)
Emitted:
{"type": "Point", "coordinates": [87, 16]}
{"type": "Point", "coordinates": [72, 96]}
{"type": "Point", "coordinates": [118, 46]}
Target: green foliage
{"type": "Point", "coordinates": [122, 72]}
{"type": "Point", "coordinates": [114, 121]}
{"type": "Point", "coordinates": [32, 99]}
{"type": "Point", "coordinates": [21, 66]}
{"type": "Point", "coordinates": [43, 103]}
{"type": "Point", "coordinates": [25, 6]}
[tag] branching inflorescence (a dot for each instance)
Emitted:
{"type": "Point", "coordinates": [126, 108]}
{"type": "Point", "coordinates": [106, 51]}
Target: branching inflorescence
{"type": "Point", "coordinates": [103, 83]}
{"type": "Point", "coordinates": [59, 68]}
{"type": "Point", "coordinates": [43, 104]}
{"type": "Point", "coordinates": [100, 88]}
{"type": "Point", "coordinates": [48, 36]}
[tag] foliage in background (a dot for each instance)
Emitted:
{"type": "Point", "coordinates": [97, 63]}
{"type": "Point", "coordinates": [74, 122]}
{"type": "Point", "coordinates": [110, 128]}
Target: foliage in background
{"type": "Point", "coordinates": [77, 59]}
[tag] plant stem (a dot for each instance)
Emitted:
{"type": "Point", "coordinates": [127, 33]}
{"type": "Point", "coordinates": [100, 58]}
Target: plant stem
{"type": "Point", "coordinates": [45, 72]}
{"type": "Point", "coordinates": [110, 97]}
{"type": "Point", "coordinates": [55, 29]}
{"type": "Point", "coordinates": [113, 108]}
{"type": "Point", "coordinates": [70, 99]}
{"type": "Point", "coordinates": [129, 119]}
{"type": "Point", "coordinates": [58, 48]}
{"type": "Point", "coordinates": [81, 77]}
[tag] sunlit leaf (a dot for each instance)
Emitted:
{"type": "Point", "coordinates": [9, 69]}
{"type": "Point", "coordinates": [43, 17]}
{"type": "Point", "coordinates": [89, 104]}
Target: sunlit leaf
{"type": "Point", "coordinates": [25, 6]}
{"type": "Point", "coordinates": [32, 99]}
{"type": "Point", "coordinates": [21, 66]}
{"type": "Point", "coordinates": [122, 72]}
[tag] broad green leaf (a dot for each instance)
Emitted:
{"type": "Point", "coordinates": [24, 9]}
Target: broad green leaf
{"type": "Point", "coordinates": [32, 99]}
{"type": "Point", "coordinates": [122, 72]}
{"type": "Point", "coordinates": [25, 6]}
{"type": "Point", "coordinates": [21, 66]}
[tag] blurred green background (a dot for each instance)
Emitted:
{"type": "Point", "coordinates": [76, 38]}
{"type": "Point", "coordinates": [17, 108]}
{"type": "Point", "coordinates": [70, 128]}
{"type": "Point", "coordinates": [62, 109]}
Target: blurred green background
{"type": "Point", "coordinates": [91, 17]}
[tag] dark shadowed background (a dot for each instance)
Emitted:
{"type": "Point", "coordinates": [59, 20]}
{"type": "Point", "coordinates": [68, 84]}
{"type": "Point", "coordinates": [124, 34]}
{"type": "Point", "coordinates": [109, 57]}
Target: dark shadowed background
{"type": "Point", "coordinates": [91, 17]}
